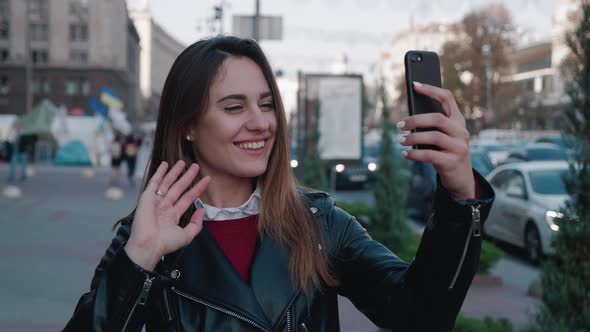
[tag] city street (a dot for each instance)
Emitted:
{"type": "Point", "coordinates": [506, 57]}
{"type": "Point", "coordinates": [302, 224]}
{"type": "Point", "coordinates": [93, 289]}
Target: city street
{"type": "Point", "coordinates": [52, 238]}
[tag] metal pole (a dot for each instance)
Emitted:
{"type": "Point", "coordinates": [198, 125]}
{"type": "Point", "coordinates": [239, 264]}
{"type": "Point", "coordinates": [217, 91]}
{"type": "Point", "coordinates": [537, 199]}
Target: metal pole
{"type": "Point", "coordinates": [28, 65]}
{"type": "Point", "coordinates": [257, 21]}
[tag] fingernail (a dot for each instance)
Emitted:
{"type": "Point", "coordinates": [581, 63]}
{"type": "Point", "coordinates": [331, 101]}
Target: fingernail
{"type": "Point", "coordinates": [404, 153]}
{"type": "Point", "coordinates": [401, 124]}
{"type": "Point", "coordinates": [402, 139]}
{"type": "Point", "coordinates": [418, 84]}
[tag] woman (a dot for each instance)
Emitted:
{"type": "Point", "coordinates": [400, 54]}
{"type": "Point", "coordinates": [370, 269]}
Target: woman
{"type": "Point", "coordinates": [272, 256]}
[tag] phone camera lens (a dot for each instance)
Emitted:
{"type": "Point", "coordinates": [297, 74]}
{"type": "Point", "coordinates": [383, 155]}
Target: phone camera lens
{"type": "Point", "coordinates": [419, 58]}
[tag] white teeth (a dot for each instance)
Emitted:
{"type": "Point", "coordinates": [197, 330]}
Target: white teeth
{"type": "Point", "coordinates": [252, 146]}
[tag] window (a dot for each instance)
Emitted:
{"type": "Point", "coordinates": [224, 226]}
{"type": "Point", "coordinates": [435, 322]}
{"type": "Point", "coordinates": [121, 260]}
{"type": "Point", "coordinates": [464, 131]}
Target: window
{"type": "Point", "coordinates": [40, 85]}
{"type": "Point", "coordinates": [79, 57]}
{"type": "Point", "coordinates": [4, 85]}
{"type": "Point", "coordinates": [515, 185]}
{"type": "Point", "coordinates": [79, 9]}
{"type": "Point", "coordinates": [85, 87]}
{"type": "Point", "coordinates": [40, 56]}
{"type": "Point", "coordinates": [500, 179]}
{"type": "Point", "coordinates": [78, 31]}
{"type": "Point", "coordinates": [38, 10]}
{"type": "Point", "coordinates": [39, 31]}
{"type": "Point", "coordinates": [72, 87]}
{"type": "Point", "coordinates": [4, 19]}
{"type": "Point", "coordinates": [4, 55]}
{"type": "Point", "coordinates": [77, 86]}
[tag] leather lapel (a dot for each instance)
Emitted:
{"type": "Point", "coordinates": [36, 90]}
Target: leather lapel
{"type": "Point", "coordinates": [208, 275]}
{"type": "Point", "coordinates": [270, 278]}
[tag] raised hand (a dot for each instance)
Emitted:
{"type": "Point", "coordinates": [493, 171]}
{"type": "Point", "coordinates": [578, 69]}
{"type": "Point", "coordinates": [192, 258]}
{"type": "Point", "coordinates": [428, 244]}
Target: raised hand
{"type": "Point", "coordinates": [452, 162]}
{"type": "Point", "coordinates": [156, 231]}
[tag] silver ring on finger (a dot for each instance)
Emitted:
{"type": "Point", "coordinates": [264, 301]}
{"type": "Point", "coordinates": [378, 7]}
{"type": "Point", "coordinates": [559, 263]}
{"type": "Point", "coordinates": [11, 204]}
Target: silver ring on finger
{"type": "Point", "coordinates": [160, 193]}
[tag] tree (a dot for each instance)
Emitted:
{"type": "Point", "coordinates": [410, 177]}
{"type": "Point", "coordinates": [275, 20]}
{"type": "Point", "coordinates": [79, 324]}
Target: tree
{"type": "Point", "coordinates": [482, 42]}
{"type": "Point", "coordinates": [566, 275]}
{"type": "Point", "coordinates": [314, 175]}
{"type": "Point", "coordinates": [388, 221]}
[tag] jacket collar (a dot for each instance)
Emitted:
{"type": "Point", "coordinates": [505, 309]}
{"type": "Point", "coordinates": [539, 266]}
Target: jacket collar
{"type": "Point", "coordinates": [208, 275]}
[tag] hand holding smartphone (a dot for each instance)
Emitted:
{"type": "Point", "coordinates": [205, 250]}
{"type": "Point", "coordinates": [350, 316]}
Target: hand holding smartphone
{"type": "Point", "coordinates": [423, 67]}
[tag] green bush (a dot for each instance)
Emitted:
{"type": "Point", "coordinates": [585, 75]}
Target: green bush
{"type": "Point", "coordinates": [490, 255]}
{"type": "Point", "coordinates": [355, 209]}
{"type": "Point", "coordinates": [488, 324]}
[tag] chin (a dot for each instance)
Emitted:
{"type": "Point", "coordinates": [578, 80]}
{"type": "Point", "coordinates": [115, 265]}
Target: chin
{"type": "Point", "coordinates": [252, 171]}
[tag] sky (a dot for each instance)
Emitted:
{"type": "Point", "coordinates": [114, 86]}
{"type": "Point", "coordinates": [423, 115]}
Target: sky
{"type": "Point", "coordinates": [317, 33]}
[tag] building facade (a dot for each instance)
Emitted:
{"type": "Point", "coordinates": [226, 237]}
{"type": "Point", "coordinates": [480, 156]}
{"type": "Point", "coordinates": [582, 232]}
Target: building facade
{"type": "Point", "coordinates": [536, 67]}
{"type": "Point", "coordinates": [158, 51]}
{"type": "Point", "coordinates": [67, 51]}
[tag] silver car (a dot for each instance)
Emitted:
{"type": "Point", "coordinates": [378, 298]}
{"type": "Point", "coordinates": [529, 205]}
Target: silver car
{"type": "Point", "coordinates": [526, 212]}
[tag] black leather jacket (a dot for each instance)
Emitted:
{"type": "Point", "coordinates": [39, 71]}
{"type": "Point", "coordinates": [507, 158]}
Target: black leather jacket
{"type": "Point", "coordinates": [197, 289]}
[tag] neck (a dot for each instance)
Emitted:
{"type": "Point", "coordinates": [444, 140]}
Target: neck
{"type": "Point", "coordinates": [226, 193]}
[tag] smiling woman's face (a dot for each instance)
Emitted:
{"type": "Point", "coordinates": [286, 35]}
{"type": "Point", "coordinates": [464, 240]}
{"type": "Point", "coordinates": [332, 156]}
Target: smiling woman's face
{"type": "Point", "coordinates": [235, 135]}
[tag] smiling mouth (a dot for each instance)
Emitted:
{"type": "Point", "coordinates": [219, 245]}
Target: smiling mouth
{"type": "Point", "coordinates": [251, 145]}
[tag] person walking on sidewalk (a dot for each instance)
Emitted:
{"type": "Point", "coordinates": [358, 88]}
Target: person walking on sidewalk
{"type": "Point", "coordinates": [130, 149]}
{"type": "Point", "coordinates": [20, 150]}
{"type": "Point", "coordinates": [223, 239]}
{"type": "Point", "coordinates": [116, 150]}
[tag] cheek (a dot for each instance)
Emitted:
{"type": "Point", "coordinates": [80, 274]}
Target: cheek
{"type": "Point", "coordinates": [272, 122]}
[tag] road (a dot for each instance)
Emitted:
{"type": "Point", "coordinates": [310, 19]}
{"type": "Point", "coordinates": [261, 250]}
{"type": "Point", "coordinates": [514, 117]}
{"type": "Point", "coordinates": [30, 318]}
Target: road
{"type": "Point", "coordinates": [52, 238]}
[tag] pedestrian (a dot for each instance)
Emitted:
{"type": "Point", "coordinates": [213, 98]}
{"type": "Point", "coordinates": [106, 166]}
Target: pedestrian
{"type": "Point", "coordinates": [222, 238]}
{"type": "Point", "coordinates": [116, 150]}
{"type": "Point", "coordinates": [131, 147]}
{"type": "Point", "coordinates": [19, 154]}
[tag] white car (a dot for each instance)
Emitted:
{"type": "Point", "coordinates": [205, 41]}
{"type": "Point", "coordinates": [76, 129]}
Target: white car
{"type": "Point", "coordinates": [526, 212]}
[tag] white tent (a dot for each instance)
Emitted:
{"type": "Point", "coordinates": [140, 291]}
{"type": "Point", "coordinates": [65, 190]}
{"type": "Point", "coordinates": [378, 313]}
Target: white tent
{"type": "Point", "coordinates": [6, 122]}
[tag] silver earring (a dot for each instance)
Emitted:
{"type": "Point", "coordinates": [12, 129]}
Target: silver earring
{"type": "Point", "coordinates": [189, 138]}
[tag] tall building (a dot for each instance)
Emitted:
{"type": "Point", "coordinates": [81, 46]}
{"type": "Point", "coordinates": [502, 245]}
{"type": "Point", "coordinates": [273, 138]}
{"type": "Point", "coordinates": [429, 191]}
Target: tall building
{"type": "Point", "coordinates": [158, 51]}
{"type": "Point", "coordinates": [73, 48]}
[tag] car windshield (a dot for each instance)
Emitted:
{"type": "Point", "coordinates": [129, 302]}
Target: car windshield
{"type": "Point", "coordinates": [548, 182]}
{"type": "Point", "coordinates": [546, 154]}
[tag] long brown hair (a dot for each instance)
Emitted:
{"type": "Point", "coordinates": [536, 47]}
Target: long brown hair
{"type": "Point", "coordinates": [283, 212]}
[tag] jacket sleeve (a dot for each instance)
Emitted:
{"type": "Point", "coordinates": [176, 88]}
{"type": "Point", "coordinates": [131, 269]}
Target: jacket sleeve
{"type": "Point", "coordinates": [118, 292]}
{"type": "Point", "coordinates": [427, 293]}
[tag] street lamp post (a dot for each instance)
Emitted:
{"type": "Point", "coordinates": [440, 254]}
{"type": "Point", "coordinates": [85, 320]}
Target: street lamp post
{"type": "Point", "coordinates": [28, 64]}
{"type": "Point", "coordinates": [256, 32]}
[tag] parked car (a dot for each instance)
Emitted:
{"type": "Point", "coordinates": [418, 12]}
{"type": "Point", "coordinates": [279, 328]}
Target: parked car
{"type": "Point", "coordinates": [536, 152]}
{"type": "Point", "coordinates": [526, 212]}
{"type": "Point", "coordinates": [497, 152]}
{"type": "Point", "coordinates": [421, 187]}
{"type": "Point", "coordinates": [568, 143]}
{"type": "Point", "coordinates": [480, 160]}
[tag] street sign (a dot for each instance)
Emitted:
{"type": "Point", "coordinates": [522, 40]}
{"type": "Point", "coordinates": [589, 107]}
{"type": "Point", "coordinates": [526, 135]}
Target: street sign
{"type": "Point", "coordinates": [270, 27]}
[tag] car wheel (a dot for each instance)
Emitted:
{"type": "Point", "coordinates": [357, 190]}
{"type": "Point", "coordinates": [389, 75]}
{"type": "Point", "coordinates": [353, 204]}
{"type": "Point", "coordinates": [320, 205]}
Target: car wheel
{"type": "Point", "coordinates": [532, 243]}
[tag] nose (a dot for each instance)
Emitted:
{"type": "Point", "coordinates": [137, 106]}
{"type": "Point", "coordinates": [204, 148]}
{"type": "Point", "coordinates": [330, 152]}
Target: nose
{"type": "Point", "coordinates": [259, 120]}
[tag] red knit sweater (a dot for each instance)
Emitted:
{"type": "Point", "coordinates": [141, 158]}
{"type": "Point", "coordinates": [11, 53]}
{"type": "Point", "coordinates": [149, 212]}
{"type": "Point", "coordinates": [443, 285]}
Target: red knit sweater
{"type": "Point", "coordinates": [237, 239]}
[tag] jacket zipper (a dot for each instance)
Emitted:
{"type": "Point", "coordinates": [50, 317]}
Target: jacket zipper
{"type": "Point", "coordinates": [141, 300]}
{"type": "Point", "coordinates": [304, 327]}
{"type": "Point", "coordinates": [474, 230]}
{"type": "Point", "coordinates": [167, 305]}
{"type": "Point", "coordinates": [223, 310]}
{"type": "Point", "coordinates": [289, 320]}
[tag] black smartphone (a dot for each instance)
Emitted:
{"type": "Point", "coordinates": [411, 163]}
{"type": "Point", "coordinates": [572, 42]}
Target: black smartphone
{"type": "Point", "coordinates": [423, 67]}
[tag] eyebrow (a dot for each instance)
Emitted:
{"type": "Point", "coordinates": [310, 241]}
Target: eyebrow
{"type": "Point", "coordinates": [243, 97]}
